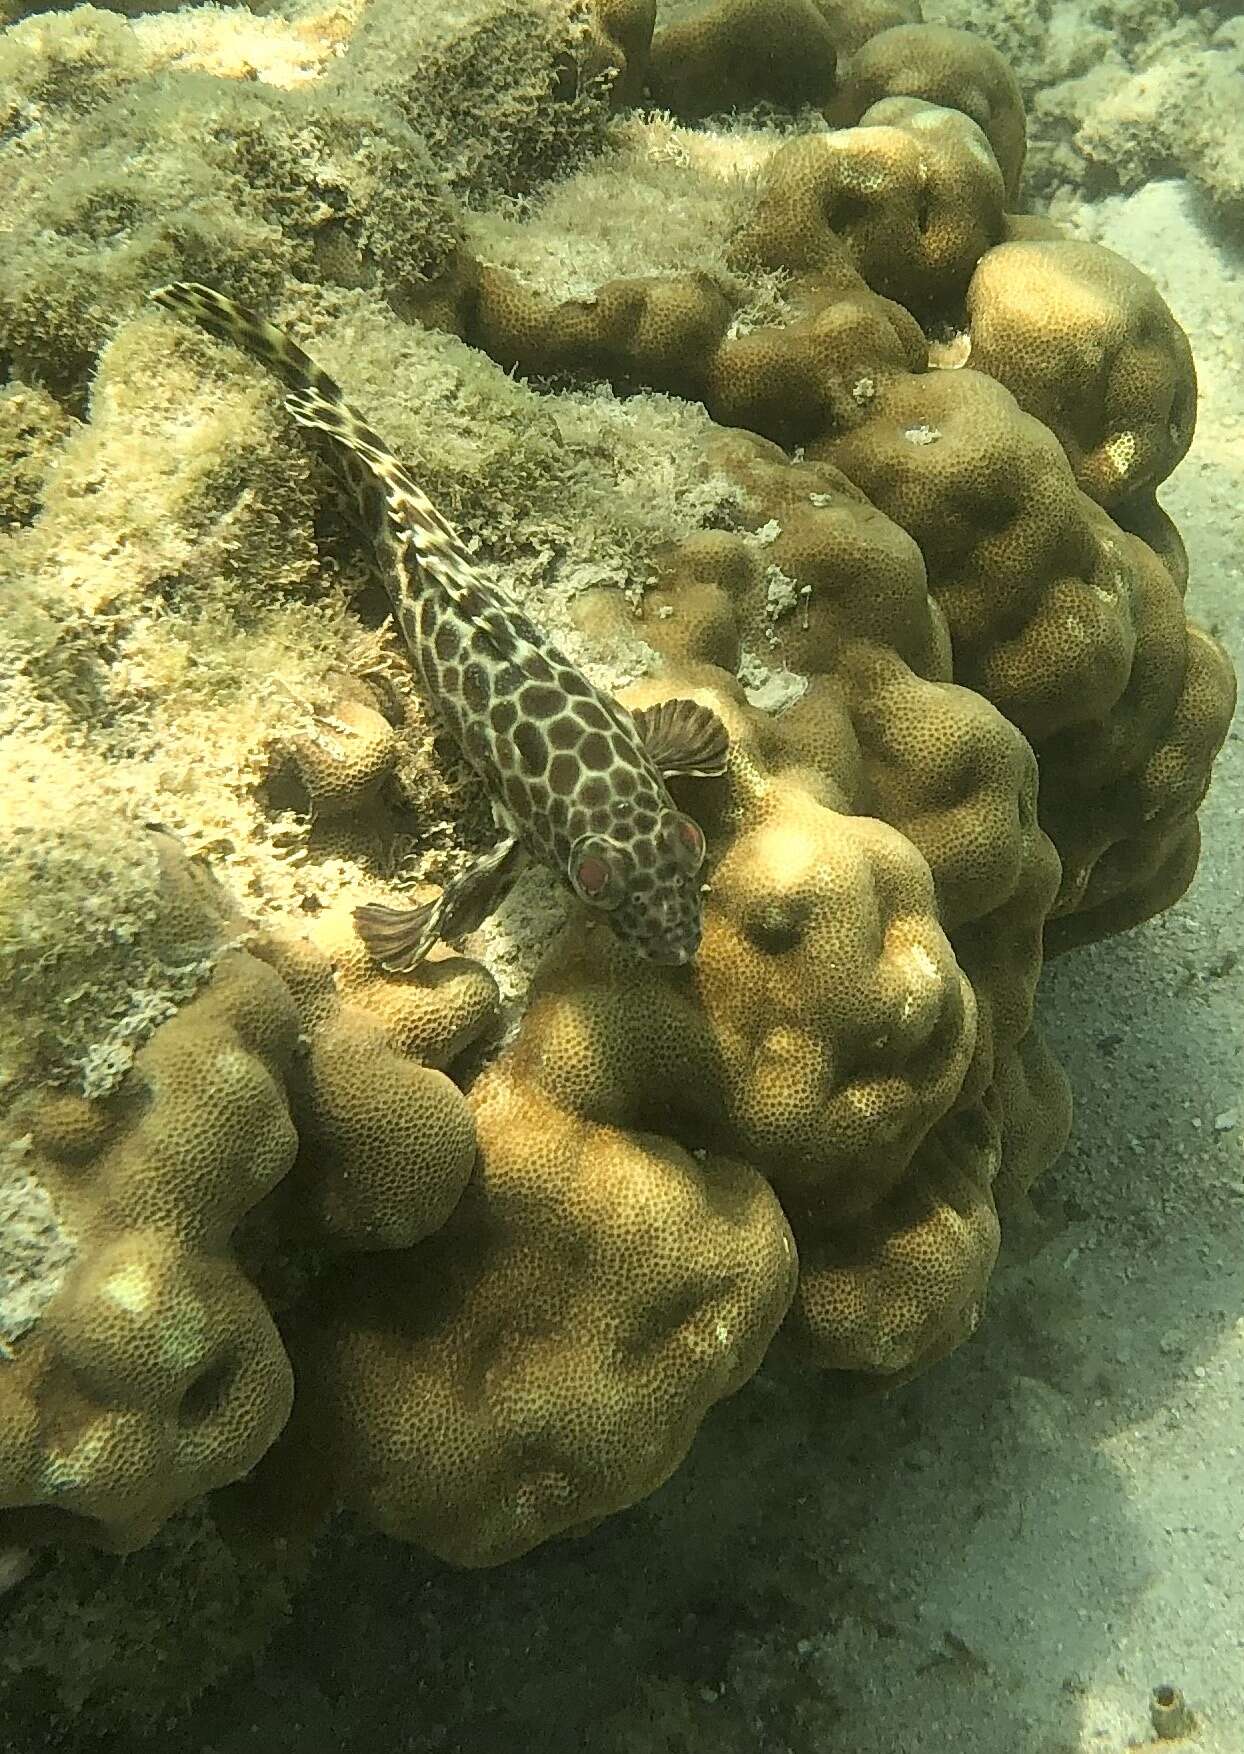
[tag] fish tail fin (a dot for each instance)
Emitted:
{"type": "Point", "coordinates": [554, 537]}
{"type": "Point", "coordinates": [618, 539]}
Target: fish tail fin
{"type": "Point", "coordinates": [318, 403]}
{"type": "Point", "coordinates": [411, 512]}
{"type": "Point", "coordinates": [230, 321]}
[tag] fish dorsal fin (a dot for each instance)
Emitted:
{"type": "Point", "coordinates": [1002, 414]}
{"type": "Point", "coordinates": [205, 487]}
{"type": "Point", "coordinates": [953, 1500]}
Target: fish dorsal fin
{"type": "Point", "coordinates": [683, 737]}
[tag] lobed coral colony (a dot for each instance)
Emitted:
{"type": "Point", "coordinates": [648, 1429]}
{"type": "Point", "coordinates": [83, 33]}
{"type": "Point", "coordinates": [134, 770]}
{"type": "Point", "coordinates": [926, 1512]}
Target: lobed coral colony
{"type": "Point", "coordinates": [729, 350]}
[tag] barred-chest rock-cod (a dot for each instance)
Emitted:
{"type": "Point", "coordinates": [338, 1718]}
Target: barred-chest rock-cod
{"type": "Point", "coordinates": [576, 781]}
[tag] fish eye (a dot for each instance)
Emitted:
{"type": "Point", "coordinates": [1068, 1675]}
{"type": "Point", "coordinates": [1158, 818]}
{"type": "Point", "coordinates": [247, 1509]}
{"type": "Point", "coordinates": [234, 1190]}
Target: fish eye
{"type": "Point", "coordinates": [593, 872]}
{"type": "Point", "coordinates": [592, 877]}
{"type": "Point", "coordinates": [691, 839]}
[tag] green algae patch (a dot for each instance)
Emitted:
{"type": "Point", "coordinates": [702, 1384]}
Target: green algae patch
{"type": "Point", "coordinates": [504, 94]}
{"type": "Point", "coordinates": [98, 941]}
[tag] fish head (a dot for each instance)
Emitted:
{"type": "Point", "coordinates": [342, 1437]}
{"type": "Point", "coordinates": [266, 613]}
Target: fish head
{"type": "Point", "coordinates": [647, 885]}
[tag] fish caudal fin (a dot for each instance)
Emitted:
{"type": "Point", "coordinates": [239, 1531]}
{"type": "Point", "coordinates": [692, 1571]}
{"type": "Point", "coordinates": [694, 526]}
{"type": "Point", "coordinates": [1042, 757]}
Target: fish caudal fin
{"type": "Point", "coordinates": [318, 403]}
{"type": "Point", "coordinates": [230, 321]}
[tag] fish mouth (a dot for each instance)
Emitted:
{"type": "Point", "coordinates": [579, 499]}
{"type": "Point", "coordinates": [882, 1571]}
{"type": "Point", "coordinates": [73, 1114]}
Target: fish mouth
{"type": "Point", "coordinates": [671, 953]}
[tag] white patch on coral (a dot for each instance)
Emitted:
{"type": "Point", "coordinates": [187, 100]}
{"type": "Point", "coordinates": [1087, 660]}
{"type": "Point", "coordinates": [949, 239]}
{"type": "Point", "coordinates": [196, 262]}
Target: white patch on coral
{"type": "Point", "coordinates": [1120, 452]}
{"type": "Point", "coordinates": [925, 985]}
{"type": "Point", "coordinates": [130, 1288]}
{"type": "Point", "coordinates": [923, 964]}
{"type": "Point", "coordinates": [781, 593]}
{"type": "Point", "coordinates": [770, 689]}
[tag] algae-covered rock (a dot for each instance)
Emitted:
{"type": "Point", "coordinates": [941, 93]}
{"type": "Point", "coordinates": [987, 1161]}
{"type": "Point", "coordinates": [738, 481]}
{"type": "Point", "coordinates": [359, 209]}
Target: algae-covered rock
{"type": "Point", "coordinates": [126, 1644]}
{"type": "Point", "coordinates": [246, 185]}
{"type": "Point", "coordinates": [104, 931]}
{"type": "Point", "coordinates": [506, 94]}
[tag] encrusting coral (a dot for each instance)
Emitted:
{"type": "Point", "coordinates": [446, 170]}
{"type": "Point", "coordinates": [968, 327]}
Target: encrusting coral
{"type": "Point", "coordinates": [1067, 621]}
{"type": "Point", "coordinates": [479, 1262]}
{"type": "Point", "coordinates": [155, 1371]}
{"type": "Point", "coordinates": [949, 69]}
{"type": "Point", "coordinates": [826, 1044]}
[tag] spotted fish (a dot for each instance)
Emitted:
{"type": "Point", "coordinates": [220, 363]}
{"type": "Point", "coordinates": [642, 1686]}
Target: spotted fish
{"type": "Point", "coordinates": [577, 782]}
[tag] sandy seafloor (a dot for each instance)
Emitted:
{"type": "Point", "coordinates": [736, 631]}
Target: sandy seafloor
{"type": "Point", "coordinates": [1005, 1557]}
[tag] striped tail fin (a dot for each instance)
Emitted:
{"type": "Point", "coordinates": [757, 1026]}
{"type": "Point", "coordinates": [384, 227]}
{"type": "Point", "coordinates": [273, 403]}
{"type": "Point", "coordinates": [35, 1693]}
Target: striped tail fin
{"type": "Point", "coordinates": [317, 402]}
{"type": "Point", "coordinates": [234, 322]}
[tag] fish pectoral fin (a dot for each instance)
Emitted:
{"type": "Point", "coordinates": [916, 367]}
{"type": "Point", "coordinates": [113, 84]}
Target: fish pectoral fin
{"type": "Point", "coordinates": [683, 737]}
{"type": "Point", "coordinates": [399, 938]}
{"type": "Point", "coordinates": [481, 888]}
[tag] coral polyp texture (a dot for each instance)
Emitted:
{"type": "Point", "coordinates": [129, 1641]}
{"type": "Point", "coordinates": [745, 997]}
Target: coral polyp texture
{"type": "Point", "coordinates": [142, 1368]}
{"type": "Point", "coordinates": [548, 1356]}
{"type": "Point", "coordinates": [1070, 623]}
{"type": "Point", "coordinates": [152, 1370]}
{"type": "Point", "coordinates": [796, 415]}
